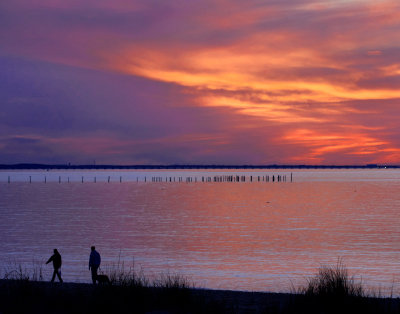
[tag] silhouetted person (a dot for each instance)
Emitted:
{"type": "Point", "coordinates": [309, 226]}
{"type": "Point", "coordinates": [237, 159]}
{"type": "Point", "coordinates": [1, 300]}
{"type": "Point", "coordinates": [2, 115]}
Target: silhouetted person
{"type": "Point", "coordinates": [94, 263]}
{"type": "Point", "coordinates": [56, 259]}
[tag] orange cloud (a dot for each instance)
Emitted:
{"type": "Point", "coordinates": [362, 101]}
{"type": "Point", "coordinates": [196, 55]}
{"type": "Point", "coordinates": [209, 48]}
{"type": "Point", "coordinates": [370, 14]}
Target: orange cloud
{"type": "Point", "coordinates": [225, 70]}
{"type": "Point", "coordinates": [231, 68]}
{"type": "Point", "coordinates": [283, 76]}
{"type": "Point", "coordinates": [344, 143]}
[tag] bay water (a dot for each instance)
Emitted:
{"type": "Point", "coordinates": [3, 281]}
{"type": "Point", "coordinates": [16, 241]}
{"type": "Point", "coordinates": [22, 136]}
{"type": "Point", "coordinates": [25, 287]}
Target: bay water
{"type": "Point", "coordinates": [253, 235]}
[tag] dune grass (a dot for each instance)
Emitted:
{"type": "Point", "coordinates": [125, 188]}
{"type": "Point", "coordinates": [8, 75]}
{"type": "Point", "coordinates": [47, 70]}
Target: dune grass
{"type": "Point", "coordinates": [16, 271]}
{"type": "Point", "coordinates": [120, 275]}
{"type": "Point", "coordinates": [333, 282]}
{"type": "Point", "coordinates": [22, 290]}
{"type": "Point", "coordinates": [331, 290]}
{"type": "Point", "coordinates": [334, 290]}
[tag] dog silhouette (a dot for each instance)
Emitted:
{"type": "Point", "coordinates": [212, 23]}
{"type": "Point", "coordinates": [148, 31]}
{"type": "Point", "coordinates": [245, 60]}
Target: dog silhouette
{"type": "Point", "coordinates": [103, 279]}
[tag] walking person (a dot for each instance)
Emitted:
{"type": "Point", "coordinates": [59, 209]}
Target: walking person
{"type": "Point", "coordinates": [56, 259]}
{"type": "Point", "coordinates": [94, 263]}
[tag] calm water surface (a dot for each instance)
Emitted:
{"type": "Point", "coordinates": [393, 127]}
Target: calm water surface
{"type": "Point", "coordinates": [227, 235]}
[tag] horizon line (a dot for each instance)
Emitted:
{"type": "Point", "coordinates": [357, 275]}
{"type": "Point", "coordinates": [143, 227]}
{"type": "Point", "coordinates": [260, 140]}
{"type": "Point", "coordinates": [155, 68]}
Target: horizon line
{"type": "Point", "coordinates": [30, 166]}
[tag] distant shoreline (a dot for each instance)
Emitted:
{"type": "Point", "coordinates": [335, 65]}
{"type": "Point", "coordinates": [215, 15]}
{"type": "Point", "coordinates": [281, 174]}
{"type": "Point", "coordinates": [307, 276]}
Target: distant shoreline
{"type": "Point", "coordinates": [33, 166]}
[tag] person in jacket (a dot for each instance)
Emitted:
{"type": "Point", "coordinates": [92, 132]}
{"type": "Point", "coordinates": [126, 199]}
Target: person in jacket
{"type": "Point", "coordinates": [94, 263]}
{"type": "Point", "coordinates": [56, 259]}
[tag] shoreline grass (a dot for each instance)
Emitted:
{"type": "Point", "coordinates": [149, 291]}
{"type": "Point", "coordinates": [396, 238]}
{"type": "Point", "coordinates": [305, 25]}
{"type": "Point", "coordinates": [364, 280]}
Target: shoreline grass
{"type": "Point", "coordinates": [331, 290]}
{"type": "Point", "coordinates": [333, 282]}
{"type": "Point", "coordinates": [17, 271]}
{"type": "Point", "coordinates": [120, 276]}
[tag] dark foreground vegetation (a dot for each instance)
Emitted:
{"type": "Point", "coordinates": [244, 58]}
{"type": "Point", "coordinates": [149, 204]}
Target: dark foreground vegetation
{"type": "Point", "coordinates": [332, 290]}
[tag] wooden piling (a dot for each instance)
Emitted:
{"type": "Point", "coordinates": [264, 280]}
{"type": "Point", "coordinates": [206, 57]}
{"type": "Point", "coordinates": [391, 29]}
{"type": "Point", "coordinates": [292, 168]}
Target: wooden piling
{"type": "Point", "coordinates": [108, 179]}
{"type": "Point", "coordinates": [9, 180]}
{"type": "Point", "coordinates": [120, 179]}
{"type": "Point", "coordinates": [291, 177]}
{"type": "Point", "coordinates": [82, 179]}
{"type": "Point", "coordinates": [30, 179]}
{"type": "Point", "coordinates": [45, 179]}
{"type": "Point", "coordinates": [59, 179]}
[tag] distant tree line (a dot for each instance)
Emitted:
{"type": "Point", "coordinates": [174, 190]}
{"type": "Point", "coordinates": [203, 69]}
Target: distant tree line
{"type": "Point", "coordinates": [29, 166]}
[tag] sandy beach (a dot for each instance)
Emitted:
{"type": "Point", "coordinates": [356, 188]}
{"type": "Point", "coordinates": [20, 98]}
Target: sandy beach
{"type": "Point", "coordinates": [43, 297]}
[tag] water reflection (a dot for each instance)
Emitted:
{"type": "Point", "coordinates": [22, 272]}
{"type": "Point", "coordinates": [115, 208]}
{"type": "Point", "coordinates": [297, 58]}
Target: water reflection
{"type": "Point", "coordinates": [222, 235]}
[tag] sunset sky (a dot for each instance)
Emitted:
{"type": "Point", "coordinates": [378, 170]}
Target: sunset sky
{"type": "Point", "coordinates": [200, 82]}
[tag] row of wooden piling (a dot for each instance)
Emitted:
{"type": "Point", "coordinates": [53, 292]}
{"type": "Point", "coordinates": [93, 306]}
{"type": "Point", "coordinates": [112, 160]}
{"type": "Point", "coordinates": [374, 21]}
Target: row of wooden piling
{"type": "Point", "coordinates": [224, 178]}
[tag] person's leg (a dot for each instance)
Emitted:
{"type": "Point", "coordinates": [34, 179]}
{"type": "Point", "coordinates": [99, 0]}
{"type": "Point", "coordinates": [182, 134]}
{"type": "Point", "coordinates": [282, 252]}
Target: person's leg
{"type": "Point", "coordinates": [94, 274]}
{"type": "Point", "coordinates": [54, 275]}
{"type": "Point", "coordinates": [59, 275]}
